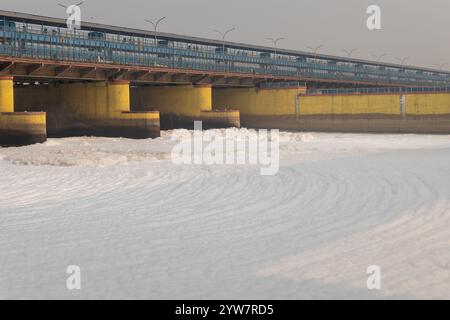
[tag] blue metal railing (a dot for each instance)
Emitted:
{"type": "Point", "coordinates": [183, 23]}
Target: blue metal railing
{"type": "Point", "coordinates": [284, 84]}
{"type": "Point", "coordinates": [378, 90]}
{"type": "Point", "coordinates": [39, 44]}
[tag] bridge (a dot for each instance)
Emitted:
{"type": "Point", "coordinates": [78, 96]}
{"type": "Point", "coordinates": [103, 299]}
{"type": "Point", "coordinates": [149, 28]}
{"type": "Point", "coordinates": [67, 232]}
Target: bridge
{"type": "Point", "coordinates": [36, 47]}
{"type": "Point", "coordinates": [116, 81]}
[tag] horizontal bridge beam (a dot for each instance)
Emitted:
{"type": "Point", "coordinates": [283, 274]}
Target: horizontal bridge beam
{"type": "Point", "coordinates": [60, 70]}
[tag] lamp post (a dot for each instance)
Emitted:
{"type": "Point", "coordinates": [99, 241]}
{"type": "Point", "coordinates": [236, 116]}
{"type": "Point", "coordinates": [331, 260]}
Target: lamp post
{"type": "Point", "coordinates": [224, 35]}
{"type": "Point", "coordinates": [381, 56]}
{"type": "Point", "coordinates": [155, 27]}
{"type": "Point", "coordinates": [402, 60]}
{"type": "Point", "coordinates": [275, 43]}
{"type": "Point", "coordinates": [349, 52]}
{"type": "Point", "coordinates": [402, 63]}
{"type": "Point", "coordinates": [440, 66]}
{"type": "Point", "coordinates": [316, 49]}
{"type": "Point", "coordinates": [67, 7]}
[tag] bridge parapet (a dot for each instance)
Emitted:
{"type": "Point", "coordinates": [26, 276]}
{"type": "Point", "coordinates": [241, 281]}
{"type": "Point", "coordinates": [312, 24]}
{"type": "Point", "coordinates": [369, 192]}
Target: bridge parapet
{"type": "Point", "coordinates": [384, 90]}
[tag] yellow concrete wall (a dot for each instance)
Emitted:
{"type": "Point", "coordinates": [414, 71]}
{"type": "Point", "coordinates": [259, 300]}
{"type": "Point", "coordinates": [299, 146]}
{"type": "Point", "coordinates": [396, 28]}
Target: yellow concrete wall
{"type": "Point", "coordinates": [22, 121]}
{"type": "Point", "coordinates": [18, 128]}
{"type": "Point", "coordinates": [350, 104]}
{"type": "Point", "coordinates": [118, 94]}
{"type": "Point", "coordinates": [95, 108]}
{"type": "Point", "coordinates": [257, 101]}
{"type": "Point", "coordinates": [140, 115]}
{"type": "Point", "coordinates": [278, 102]}
{"type": "Point", "coordinates": [183, 100]}
{"type": "Point", "coordinates": [428, 104]}
{"type": "Point", "coordinates": [416, 104]}
{"type": "Point", "coordinates": [220, 114]}
{"type": "Point", "coordinates": [95, 100]}
{"type": "Point", "coordinates": [30, 98]}
{"type": "Point", "coordinates": [6, 94]}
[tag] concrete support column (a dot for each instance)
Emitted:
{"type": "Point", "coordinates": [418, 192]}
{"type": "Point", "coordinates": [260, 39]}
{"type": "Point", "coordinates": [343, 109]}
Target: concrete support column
{"type": "Point", "coordinates": [382, 113]}
{"type": "Point", "coordinates": [121, 120]}
{"type": "Point", "coordinates": [6, 94]}
{"type": "Point", "coordinates": [204, 96]}
{"type": "Point", "coordinates": [180, 100]}
{"type": "Point", "coordinates": [260, 108]}
{"type": "Point", "coordinates": [118, 97]}
{"type": "Point", "coordinates": [90, 108]}
{"type": "Point", "coordinates": [181, 105]}
{"type": "Point", "coordinates": [18, 128]}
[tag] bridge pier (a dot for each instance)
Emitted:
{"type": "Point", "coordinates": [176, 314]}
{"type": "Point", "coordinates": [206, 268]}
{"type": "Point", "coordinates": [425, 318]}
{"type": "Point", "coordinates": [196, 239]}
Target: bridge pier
{"type": "Point", "coordinates": [89, 108]}
{"type": "Point", "coordinates": [420, 113]}
{"type": "Point", "coordinates": [181, 105]}
{"type": "Point", "coordinates": [293, 109]}
{"type": "Point", "coordinates": [260, 107]}
{"type": "Point", "coordinates": [6, 94]}
{"type": "Point", "coordinates": [18, 128]}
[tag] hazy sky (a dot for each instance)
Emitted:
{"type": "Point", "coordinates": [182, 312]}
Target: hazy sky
{"type": "Point", "coordinates": [414, 28]}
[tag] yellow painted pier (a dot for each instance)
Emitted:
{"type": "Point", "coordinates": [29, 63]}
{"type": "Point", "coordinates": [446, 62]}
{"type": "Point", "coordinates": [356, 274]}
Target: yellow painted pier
{"type": "Point", "coordinates": [116, 109]}
{"type": "Point", "coordinates": [18, 128]}
{"type": "Point", "coordinates": [293, 109]}
{"type": "Point", "coordinates": [89, 108]}
{"type": "Point", "coordinates": [181, 105]}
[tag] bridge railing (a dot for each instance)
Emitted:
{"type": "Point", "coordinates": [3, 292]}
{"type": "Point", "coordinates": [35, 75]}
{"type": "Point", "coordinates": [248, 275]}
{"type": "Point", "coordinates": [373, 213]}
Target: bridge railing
{"type": "Point", "coordinates": [284, 84]}
{"type": "Point", "coordinates": [386, 90]}
{"type": "Point", "coordinates": [38, 43]}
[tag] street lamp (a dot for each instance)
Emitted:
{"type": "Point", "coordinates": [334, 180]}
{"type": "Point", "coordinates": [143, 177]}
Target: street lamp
{"type": "Point", "coordinates": [66, 6]}
{"type": "Point", "coordinates": [316, 49]}
{"type": "Point", "coordinates": [155, 27]}
{"type": "Point", "coordinates": [224, 35]}
{"type": "Point", "coordinates": [381, 56]}
{"type": "Point", "coordinates": [440, 65]}
{"type": "Point", "coordinates": [275, 42]}
{"type": "Point", "coordinates": [349, 52]}
{"type": "Point", "coordinates": [402, 60]}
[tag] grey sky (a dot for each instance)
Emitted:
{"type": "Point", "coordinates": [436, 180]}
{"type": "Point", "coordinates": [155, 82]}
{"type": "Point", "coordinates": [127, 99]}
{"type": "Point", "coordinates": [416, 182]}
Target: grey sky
{"type": "Point", "coordinates": [414, 28]}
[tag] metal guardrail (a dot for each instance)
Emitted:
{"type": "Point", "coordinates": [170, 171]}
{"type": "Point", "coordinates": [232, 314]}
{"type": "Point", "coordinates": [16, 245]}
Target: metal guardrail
{"type": "Point", "coordinates": [42, 44]}
{"type": "Point", "coordinates": [282, 84]}
{"type": "Point", "coordinates": [377, 90]}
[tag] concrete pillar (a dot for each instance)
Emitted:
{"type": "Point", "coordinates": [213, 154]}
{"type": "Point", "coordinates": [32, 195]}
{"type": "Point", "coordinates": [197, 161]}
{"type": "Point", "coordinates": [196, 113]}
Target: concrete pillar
{"type": "Point", "coordinates": [6, 94]}
{"type": "Point", "coordinates": [292, 109]}
{"type": "Point", "coordinates": [260, 108]}
{"type": "Point", "coordinates": [118, 97]}
{"type": "Point", "coordinates": [122, 121]}
{"type": "Point", "coordinates": [91, 108]}
{"type": "Point", "coordinates": [181, 100]}
{"type": "Point", "coordinates": [181, 105]}
{"type": "Point", "coordinates": [382, 113]}
{"type": "Point", "coordinates": [18, 128]}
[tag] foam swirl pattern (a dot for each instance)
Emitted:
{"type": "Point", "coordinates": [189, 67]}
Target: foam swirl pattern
{"type": "Point", "coordinates": [140, 226]}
